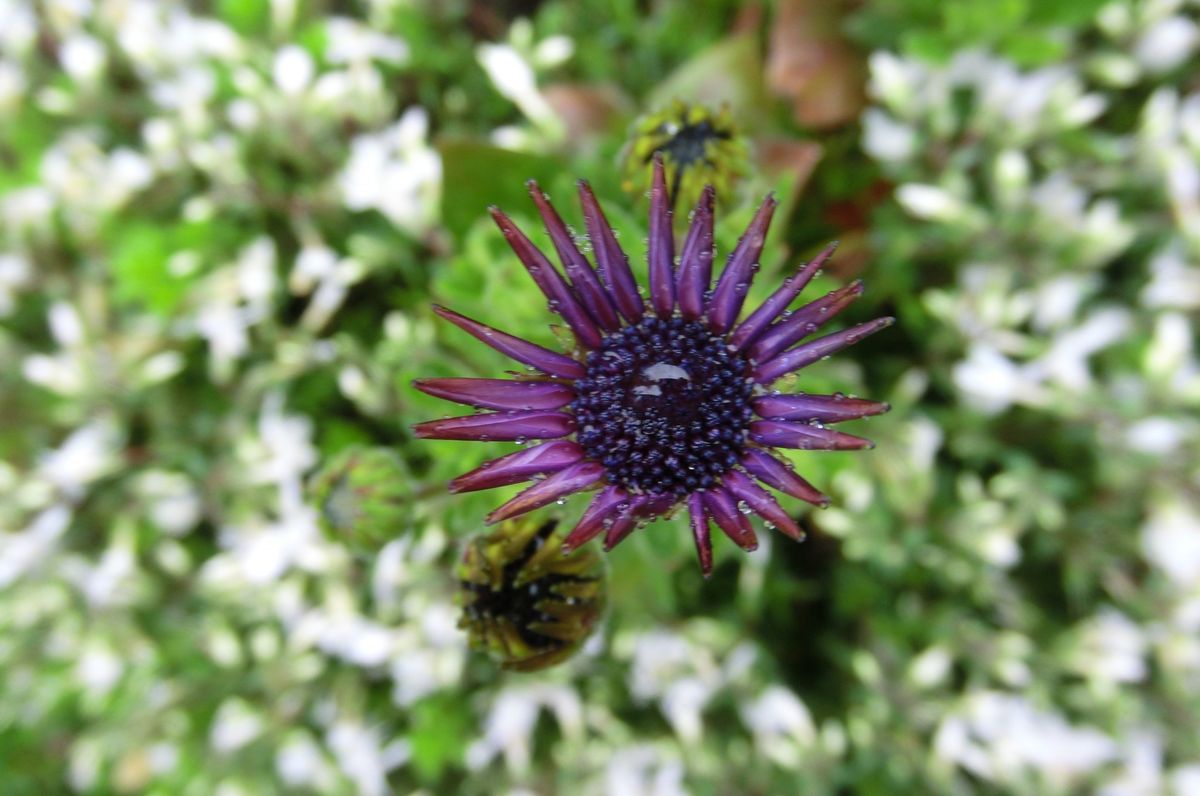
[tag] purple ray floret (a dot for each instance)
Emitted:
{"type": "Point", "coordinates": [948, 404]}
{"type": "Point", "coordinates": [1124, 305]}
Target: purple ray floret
{"type": "Point", "coordinates": [660, 402]}
{"type": "Point", "coordinates": [695, 262]}
{"type": "Point", "coordinates": [499, 393]}
{"type": "Point", "coordinates": [549, 457]}
{"type": "Point", "coordinates": [661, 249]}
{"type": "Point", "coordinates": [749, 329]}
{"type": "Point", "coordinates": [734, 283]}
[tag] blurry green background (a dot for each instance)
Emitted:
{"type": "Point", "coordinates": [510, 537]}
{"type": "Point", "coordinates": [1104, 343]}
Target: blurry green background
{"type": "Point", "coordinates": [221, 228]}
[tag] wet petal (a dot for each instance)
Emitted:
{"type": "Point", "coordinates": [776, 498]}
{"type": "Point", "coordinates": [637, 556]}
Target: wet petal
{"type": "Point", "coordinates": [817, 408]}
{"type": "Point", "coordinates": [499, 393]}
{"type": "Point", "coordinates": [612, 262]}
{"type": "Point", "coordinates": [574, 479]}
{"type": "Point", "coordinates": [777, 474]}
{"type": "Point", "coordinates": [558, 293]}
{"type": "Point", "coordinates": [805, 321]}
{"type": "Point", "coordinates": [731, 289]}
{"type": "Point", "coordinates": [603, 508]}
{"type": "Point", "coordinates": [782, 434]}
{"type": "Point", "coordinates": [523, 351]}
{"type": "Point", "coordinates": [749, 330]}
{"type": "Point", "coordinates": [808, 353]}
{"type": "Point", "coordinates": [549, 457]}
{"type": "Point", "coordinates": [723, 509]}
{"type": "Point", "coordinates": [591, 293]}
{"type": "Point", "coordinates": [695, 263]}
{"type": "Point", "coordinates": [699, 521]}
{"type": "Point", "coordinates": [502, 426]}
{"type": "Point", "coordinates": [661, 247]}
{"type": "Point", "coordinates": [625, 521]}
{"type": "Point", "coordinates": [761, 503]}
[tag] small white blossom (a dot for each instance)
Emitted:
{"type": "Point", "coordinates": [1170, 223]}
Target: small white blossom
{"type": "Point", "coordinates": [395, 172]}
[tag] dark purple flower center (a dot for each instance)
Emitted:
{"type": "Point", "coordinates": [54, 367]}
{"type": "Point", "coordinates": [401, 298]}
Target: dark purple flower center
{"type": "Point", "coordinates": [664, 406]}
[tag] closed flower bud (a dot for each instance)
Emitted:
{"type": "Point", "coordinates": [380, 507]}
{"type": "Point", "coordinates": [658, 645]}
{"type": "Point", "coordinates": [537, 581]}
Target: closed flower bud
{"type": "Point", "coordinates": [526, 603]}
{"type": "Point", "coordinates": [363, 497]}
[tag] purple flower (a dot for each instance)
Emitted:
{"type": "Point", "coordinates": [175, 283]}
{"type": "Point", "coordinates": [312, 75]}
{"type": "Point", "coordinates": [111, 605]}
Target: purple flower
{"type": "Point", "coordinates": [666, 401]}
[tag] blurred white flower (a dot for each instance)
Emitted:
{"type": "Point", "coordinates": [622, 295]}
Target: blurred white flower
{"type": "Point", "coordinates": [1142, 771]}
{"type": "Point", "coordinates": [28, 548]}
{"type": "Point", "coordinates": [1112, 649]}
{"type": "Point", "coordinates": [886, 139]}
{"type": "Point", "coordinates": [82, 57]}
{"type": "Point", "coordinates": [510, 723]}
{"type": "Point", "coordinates": [349, 41]}
{"type": "Point", "coordinates": [15, 273]}
{"type": "Point", "coordinates": [293, 69]}
{"type": "Point", "coordinates": [1174, 281]}
{"type": "Point", "coordinates": [300, 762]}
{"type": "Point", "coordinates": [173, 504]}
{"type": "Point", "coordinates": [1167, 43]}
{"type": "Point", "coordinates": [1171, 540]}
{"type": "Point", "coordinates": [514, 78]}
{"type": "Point", "coordinates": [235, 724]}
{"type": "Point", "coordinates": [1185, 780]}
{"type": "Point", "coordinates": [931, 667]}
{"type": "Point", "coordinates": [89, 453]}
{"type": "Point", "coordinates": [930, 202]}
{"type": "Point", "coordinates": [1000, 737]}
{"type": "Point", "coordinates": [1158, 436]}
{"type": "Point", "coordinates": [362, 756]}
{"type": "Point", "coordinates": [643, 771]}
{"type": "Point", "coordinates": [988, 380]}
{"type": "Point", "coordinates": [98, 668]}
{"type": "Point", "coordinates": [781, 724]}
{"type": "Point", "coordinates": [395, 172]}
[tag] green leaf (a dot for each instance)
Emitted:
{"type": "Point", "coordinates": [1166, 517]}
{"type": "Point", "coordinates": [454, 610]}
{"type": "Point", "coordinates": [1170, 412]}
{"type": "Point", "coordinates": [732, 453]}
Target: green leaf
{"type": "Point", "coordinates": [248, 17]}
{"type": "Point", "coordinates": [439, 734]}
{"type": "Point", "coordinates": [477, 175]}
{"type": "Point", "coordinates": [140, 267]}
{"type": "Point", "coordinates": [729, 72]}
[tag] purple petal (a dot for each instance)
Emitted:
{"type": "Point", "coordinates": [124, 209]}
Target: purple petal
{"type": "Point", "coordinates": [721, 506]}
{"type": "Point", "coordinates": [591, 293]}
{"type": "Point", "coordinates": [700, 533]}
{"type": "Point", "coordinates": [817, 408]}
{"type": "Point", "coordinates": [561, 297]}
{"type": "Point", "coordinates": [808, 353]}
{"type": "Point", "coordinates": [695, 263]}
{"type": "Point", "coordinates": [549, 457]}
{"type": "Point", "coordinates": [782, 434]}
{"type": "Point", "coordinates": [661, 251]}
{"type": "Point", "coordinates": [626, 520]}
{"type": "Point", "coordinates": [613, 264]}
{"type": "Point", "coordinates": [597, 517]}
{"type": "Point", "coordinates": [637, 508]}
{"type": "Point", "coordinates": [769, 310]}
{"type": "Point", "coordinates": [761, 503]}
{"type": "Point", "coordinates": [523, 351]}
{"type": "Point", "coordinates": [499, 393]}
{"type": "Point", "coordinates": [771, 471]}
{"type": "Point", "coordinates": [805, 321]}
{"type": "Point", "coordinates": [574, 479]}
{"type": "Point", "coordinates": [502, 426]}
{"type": "Point", "coordinates": [734, 283]}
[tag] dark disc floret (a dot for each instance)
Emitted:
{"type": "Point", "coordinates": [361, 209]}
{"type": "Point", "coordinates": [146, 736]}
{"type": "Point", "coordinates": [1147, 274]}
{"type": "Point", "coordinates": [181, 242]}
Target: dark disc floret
{"type": "Point", "coordinates": [665, 406]}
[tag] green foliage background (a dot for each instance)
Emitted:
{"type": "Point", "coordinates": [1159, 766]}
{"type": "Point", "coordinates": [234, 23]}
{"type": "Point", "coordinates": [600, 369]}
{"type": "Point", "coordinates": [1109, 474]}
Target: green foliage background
{"type": "Point", "coordinates": [222, 226]}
